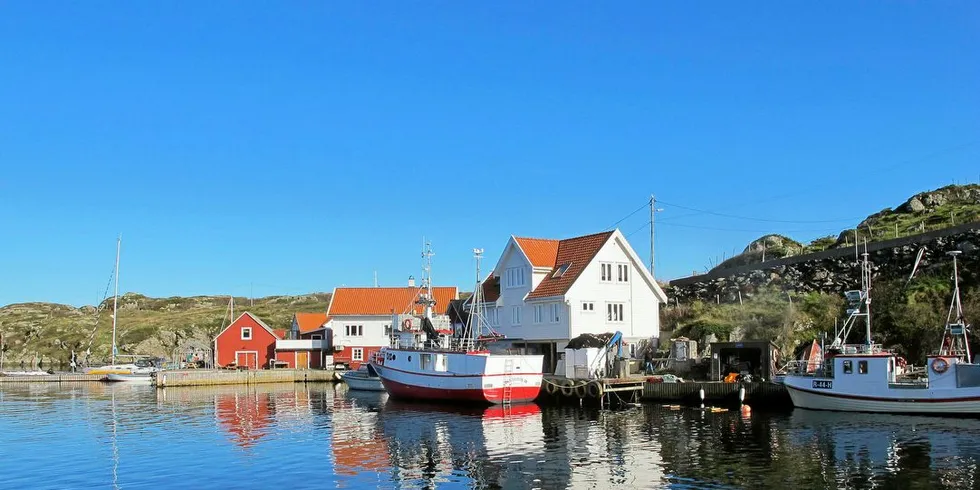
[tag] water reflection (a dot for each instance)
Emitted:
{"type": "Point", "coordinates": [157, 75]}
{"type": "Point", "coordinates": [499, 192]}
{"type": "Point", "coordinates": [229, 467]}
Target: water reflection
{"type": "Point", "coordinates": [94, 435]}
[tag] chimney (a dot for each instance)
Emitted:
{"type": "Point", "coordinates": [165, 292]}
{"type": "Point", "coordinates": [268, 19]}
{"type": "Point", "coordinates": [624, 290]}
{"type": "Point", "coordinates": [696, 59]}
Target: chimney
{"type": "Point", "coordinates": [411, 281]}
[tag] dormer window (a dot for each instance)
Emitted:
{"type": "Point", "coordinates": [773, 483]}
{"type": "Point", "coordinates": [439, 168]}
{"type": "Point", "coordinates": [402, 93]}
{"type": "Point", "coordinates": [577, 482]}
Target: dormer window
{"type": "Point", "coordinates": [561, 270]}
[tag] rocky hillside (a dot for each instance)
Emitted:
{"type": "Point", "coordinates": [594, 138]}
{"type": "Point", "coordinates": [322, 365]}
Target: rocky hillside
{"type": "Point", "coordinates": [927, 211]}
{"type": "Point", "coordinates": [152, 326]}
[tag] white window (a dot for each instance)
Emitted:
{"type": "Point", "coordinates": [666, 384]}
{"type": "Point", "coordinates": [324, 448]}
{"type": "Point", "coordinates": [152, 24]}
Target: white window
{"type": "Point", "coordinates": [614, 312]}
{"type": "Point", "coordinates": [515, 277]}
{"type": "Point", "coordinates": [588, 306]}
{"type": "Point", "coordinates": [562, 269]}
{"type": "Point", "coordinates": [538, 313]}
{"type": "Point", "coordinates": [515, 315]}
{"type": "Point", "coordinates": [493, 316]}
{"type": "Point", "coordinates": [555, 316]}
{"type": "Point", "coordinates": [623, 272]}
{"type": "Point", "coordinates": [357, 354]}
{"type": "Point", "coordinates": [606, 272]}
{"type": "Point", "coordinates": [354, 330]}
{"type": "Point", "coordinates": [246, 333]}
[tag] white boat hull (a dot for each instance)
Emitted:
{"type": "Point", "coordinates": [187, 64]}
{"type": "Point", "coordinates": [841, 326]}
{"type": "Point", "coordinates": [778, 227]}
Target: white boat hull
{"type": "Point", "coordinates": [923, 403]}
{"type": "Point", "coordinates": [361, 382]}
{"type": "Point", "coordinates": [131, 378]}
{"type": "Point", "coordinates": [463, 377]}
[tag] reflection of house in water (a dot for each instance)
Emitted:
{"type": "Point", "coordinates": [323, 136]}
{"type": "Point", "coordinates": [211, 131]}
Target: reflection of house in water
{"type": "Point", "coordinates": [246, 416]}
{"type": "Point", "coordinates": [356, 440]}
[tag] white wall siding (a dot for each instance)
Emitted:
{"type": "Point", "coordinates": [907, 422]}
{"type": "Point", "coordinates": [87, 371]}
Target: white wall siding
{"type": "Point", "coordinates": [641, 309]}
{"type": "Point", "coordinates": [511, 297]}
{"type": "Point", "coordinates": [374, 331]}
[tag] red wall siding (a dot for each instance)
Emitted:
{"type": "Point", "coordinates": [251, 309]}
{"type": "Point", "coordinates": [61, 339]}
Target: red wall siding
{"type": "Point", "coordinates": [230, 341]}
{"type": "Point", "coordinates": [290, 356]}
{"type": "Point", "coordinates": [346, 356]}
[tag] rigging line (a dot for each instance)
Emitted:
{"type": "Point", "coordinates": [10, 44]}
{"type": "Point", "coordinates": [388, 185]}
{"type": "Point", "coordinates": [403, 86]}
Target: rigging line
{"type": "Point", "coordinates": [734, 216]}
{"type": "Point", "coordinates": [812, 230]}
{"type": "Point", "coordinates": [645, 204]}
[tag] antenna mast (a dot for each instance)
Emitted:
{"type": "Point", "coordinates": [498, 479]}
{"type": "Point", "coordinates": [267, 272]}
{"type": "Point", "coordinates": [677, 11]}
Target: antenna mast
{"type": "Point", "coordinates": [427, 300]}
{"type": "Point", "coordinates": [476, 320]}
{"type": "Point", "coordinates": [955, 338]}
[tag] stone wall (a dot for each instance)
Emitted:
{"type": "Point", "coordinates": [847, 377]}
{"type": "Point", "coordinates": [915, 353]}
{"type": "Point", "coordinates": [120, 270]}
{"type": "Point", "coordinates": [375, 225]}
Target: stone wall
{"type": "Point", "coordinates": [832, 271]}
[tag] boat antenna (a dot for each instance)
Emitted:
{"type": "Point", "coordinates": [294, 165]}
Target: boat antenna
{"type": "Point", "coordinates": [115, 299]}
{"type": "Point", "coordinates": [477, 299]}
{"type": "Point", "coordinates": [427, 300]}
{"type": "Point", "coordinates": [956, 327]}
{"type": "Point", "coordinates": [859, 306]}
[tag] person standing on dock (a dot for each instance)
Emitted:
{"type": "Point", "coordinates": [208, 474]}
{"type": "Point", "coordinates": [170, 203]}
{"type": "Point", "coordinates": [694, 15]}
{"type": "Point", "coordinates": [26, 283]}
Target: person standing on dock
{"type": "Point", "coordinates": [648, 360]}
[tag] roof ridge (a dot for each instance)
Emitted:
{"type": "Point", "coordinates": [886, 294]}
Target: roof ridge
{"type": "Point", "coordinates": [609, 232]}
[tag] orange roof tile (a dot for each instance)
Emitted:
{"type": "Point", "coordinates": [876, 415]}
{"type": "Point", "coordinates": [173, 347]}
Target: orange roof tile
{"type": "Point", "coordinates": [540, 251]}
{"type": "Point", "coordinates": [384, 301]}
{"type": "Point", "coordinates": [577, 253]}
{"type": "Point", "coordinates": [310, 321]}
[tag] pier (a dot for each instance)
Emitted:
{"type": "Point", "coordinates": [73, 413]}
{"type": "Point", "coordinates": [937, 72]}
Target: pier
{"type": "Point", "coordinates": [53, 378]}
{"type": "Point", "coordinates": [759, 394]}
{"type": "Point", "coordinates": [212, 377]}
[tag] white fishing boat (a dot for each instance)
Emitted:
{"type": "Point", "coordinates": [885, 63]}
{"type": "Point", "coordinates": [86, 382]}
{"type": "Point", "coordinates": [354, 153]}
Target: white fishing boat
{"type": "Point", "coordinates": [868, 378]}
{"type": "Point", "coordinates": [428, 361]}
{"type": "Point", "coordinates": [364, 378]}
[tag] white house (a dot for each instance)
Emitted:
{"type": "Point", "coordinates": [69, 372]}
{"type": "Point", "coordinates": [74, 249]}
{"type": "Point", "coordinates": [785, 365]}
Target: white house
{"type": "Point", "coordinates": [360, 318]}
{"type": "Point", "coordinates": [546, 292]}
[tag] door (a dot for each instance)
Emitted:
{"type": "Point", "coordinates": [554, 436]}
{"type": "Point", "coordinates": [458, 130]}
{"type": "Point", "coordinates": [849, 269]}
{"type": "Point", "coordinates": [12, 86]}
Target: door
{"type": "Point", "coordinates": [249, 360]}
{"type": "Point", "coordinates": [302, 360]}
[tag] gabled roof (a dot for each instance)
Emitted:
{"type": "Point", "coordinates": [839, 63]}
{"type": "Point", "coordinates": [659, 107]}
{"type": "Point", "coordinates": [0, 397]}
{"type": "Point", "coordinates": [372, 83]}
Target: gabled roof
{"type": "Point", "coordinates": [258, 321]}
{"type": "Point", "coordinates": [541, 252]}
{"type": "Point", "coordinates": [573, 254]}
{"type": "Point", "coordinates": [308, 322]}
{"type": "Point", "coordinates": [384, 301]}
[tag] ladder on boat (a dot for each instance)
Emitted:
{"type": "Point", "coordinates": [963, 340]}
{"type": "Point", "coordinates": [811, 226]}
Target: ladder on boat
{"type": "Point", "coordinates": [507, 395]}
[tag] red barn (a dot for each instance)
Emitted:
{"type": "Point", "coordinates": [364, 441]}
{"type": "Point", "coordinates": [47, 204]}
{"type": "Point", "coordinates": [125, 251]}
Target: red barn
{"type": "Point", "coordinates": [247, 342]}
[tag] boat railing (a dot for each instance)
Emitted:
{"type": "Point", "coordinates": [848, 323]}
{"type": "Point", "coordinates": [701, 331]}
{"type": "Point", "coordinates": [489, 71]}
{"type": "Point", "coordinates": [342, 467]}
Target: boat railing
{"type": "Point", "coordinates": [814, 368]}
{"type": "Point", "coordinates": [864, 349]}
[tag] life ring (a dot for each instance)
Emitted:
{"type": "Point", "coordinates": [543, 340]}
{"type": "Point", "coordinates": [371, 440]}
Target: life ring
{"type": "Point", "coordinates": [594, 390]}
{"type": "Point", "coordinates": [407, 324]}
{"type": "Point", "coordinates": [581, 391]}
{"type": "Point", "coordinates": [940, 365]}
{"type": "Point", "coordinates": [567, 389]}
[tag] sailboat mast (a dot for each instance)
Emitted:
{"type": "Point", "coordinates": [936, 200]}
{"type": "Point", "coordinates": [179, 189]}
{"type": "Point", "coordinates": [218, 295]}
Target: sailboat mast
{"type": "Point", "coordinates": [115, 299]}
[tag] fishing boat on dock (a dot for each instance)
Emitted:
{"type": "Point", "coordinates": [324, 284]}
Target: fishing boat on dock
{"type": "Point", "coordinates": [868, 378]}
{"type": "Point", "coordinates": [427, 360]}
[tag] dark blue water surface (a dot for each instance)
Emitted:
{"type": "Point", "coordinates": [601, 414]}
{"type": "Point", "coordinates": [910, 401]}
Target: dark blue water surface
{"type": "Point", "coordinates": [321, 436]}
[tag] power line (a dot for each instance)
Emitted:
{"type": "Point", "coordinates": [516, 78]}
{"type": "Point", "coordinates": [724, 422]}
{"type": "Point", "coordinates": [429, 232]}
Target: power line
{"type": "Point", "coordinates": [629, 215]}
{"type": "Point", "coordinates": [750, 218]}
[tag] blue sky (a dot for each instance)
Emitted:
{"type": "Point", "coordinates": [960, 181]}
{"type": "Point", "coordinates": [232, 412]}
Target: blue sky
{"type": "Point", "coordinates": [290, 147]}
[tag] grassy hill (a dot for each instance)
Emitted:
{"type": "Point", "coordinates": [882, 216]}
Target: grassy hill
{"type": "Point", "coordinates": [152, 326]}
{"type": "Point", "coordinates": [926, 211]}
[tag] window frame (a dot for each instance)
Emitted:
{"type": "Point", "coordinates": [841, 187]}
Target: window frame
{"type": "Point", "coordinates": [538, 314]}
{"type": "Point", "coordinates": [246, 337]}
{"type": "Point", "coordinates": [588, 307]}
{"type": "Point", "coordinates": [862, 367]}
{"type": "Point", "coordinates": [605, 272]}
{"type": "Point", "coordinates": [615, 312]}
{"type": "Point", "coordinates": [554, 313]}
{"type": "Point", "coordinates": [515, 315]}
{"type": "Point", "coordinates": [357, 354]}
{"type": "Point", "coordinates": [847, 367]}
{"type": "Point", "coordinates": [623, 273]}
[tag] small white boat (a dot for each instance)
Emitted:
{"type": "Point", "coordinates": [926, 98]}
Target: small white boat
{"type": "Point", "coordinates": [364, 378]}
{"type": "Point", "coordinates": [146, 378]}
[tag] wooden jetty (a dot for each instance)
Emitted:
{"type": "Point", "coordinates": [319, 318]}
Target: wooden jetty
{"type": "Point", "coordinates": [758, 394]}
{"type": "Point", "coordinates": [601, 390]}
{"type": "Point", "coordinates": [53, 378]}
{"type": "Point", "coordinates": [212, 377]}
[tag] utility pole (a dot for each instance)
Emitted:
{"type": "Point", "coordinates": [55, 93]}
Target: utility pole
{"type": "Point", "coordinates": [653, 212]}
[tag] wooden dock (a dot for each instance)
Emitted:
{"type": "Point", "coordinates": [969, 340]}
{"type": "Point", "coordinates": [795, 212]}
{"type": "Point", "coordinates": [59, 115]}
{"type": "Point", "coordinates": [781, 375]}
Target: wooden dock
{"type": "Point", "coordinates": [601, 390]}
{"type": "Point", "coordinates": [53, 378]}
{"type": "Point", "coordinates": [213, 377]}
{"type": "Point", "coordinates": [717, 392]}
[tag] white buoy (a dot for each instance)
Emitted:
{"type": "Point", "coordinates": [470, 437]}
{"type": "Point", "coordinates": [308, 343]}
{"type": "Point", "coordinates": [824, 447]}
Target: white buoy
{"type": "Point", "coordinates": [741, 395]}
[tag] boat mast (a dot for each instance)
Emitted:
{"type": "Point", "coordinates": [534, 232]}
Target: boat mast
{"type": "Point", "coordinates": [477, 317]}
{"type": "Point", "coordinates": [428, 300]}
{"type": "Point", "coordinates": [956, 327]}
{"type": "Point", "coordinates": [115, 299]}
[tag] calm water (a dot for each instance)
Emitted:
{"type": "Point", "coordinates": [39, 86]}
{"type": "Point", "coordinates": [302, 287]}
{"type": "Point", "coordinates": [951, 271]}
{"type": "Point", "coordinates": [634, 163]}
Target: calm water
{"type": "Point", "coordinates": [318, 436]}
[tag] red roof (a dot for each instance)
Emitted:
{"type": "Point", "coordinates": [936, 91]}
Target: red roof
{"type": "Point", "coordinates": [575, 254]}
{"type": "Point", "coordinates": [384, 301]}
{"type": "Point", "coordinates": [280, 334]}
{"type": "Point", "coordinates": [491, 289]}
{"type": "Point", "coordinates": [308, 322]}
{"type": "Point", "coordinates": [540, 251]}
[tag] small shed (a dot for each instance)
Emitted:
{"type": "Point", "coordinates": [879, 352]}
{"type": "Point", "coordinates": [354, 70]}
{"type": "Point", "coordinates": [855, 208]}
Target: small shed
{"type": "Point", "coordinates": [754, 357]}
{"type": "Point", "coordinates": [247, 342]}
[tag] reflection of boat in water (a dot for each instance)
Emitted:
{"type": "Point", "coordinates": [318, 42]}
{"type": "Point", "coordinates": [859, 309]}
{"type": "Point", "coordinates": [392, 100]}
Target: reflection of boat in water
{"type": "Point", "coordinates": [364, 378]}
{"type": "Point", "coordinates": [428, 443]}
{"type": "Point", "coordinates": [886, 446]}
